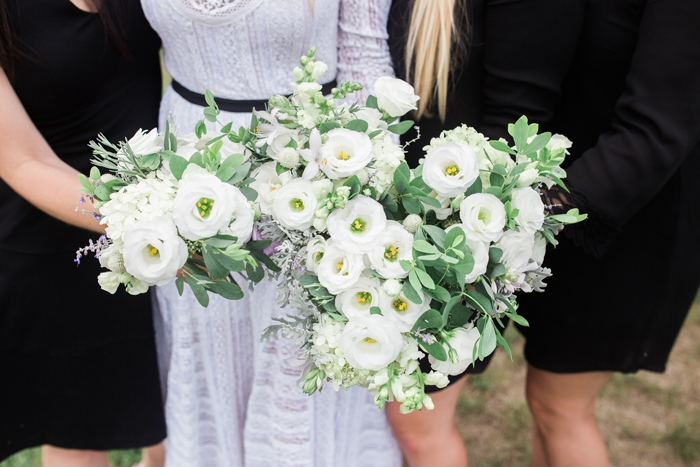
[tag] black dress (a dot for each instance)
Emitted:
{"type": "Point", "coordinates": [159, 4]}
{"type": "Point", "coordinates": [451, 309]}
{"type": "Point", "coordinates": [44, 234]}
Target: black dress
{"type": "Point", "coordinates": [621, 79]}
{"type": "Point", "coordinates": [77, 365]}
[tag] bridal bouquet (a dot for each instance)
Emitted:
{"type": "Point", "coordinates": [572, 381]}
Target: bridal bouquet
{"type": "Point", "coordinates": [385, 264]}
{"type": "Point", "coordinates": [175, 209]}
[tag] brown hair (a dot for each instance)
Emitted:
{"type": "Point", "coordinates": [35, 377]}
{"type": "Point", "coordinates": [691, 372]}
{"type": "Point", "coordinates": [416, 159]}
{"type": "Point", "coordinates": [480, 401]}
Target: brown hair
{"type": "Point", "coordinates": [432, 47]}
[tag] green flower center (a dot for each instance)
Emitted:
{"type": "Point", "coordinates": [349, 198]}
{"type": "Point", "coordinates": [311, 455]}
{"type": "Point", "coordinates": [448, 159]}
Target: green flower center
{"type": "Point", "coordinates": [318, 256]}
{"type": "Point", "coordinates": [483, 215]}
{"type": "Point", "coordinates": [152, 251]}
{"type": "Point", "coordinates": [369, 340]}
{"type": "Point", "coordinates": [358, 225]}
{"type": "Point", "coordinates": [297, 204]}
{"type": "Point", "coordinates": [452, 170]}
{"type": "Point", "coordinates": [363, 298]}
{"type": "Point", "coordinates": [204, 207]}
{"type": "Point", "coordinates": [399, 305]}
{"type": "Point", "coordinates": [391, 253]}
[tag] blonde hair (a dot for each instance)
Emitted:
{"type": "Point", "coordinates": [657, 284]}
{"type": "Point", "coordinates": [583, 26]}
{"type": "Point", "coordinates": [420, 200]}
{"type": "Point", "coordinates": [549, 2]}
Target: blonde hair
{"type": "Point", "coordinates": [431, 34]}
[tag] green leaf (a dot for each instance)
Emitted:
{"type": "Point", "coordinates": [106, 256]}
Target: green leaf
{"type": "Point", "coordinates": [430, 201]}
{"type": "Point", "coordinates": [216, 270]}
{"type": "Point", "coordinates": [150, 161]}
{"type": "Point", "coordinates": [241, 173]}
{"type": "Point", "coordinates": [266, 260]}
{"type": "Point", "coordinates": [255, 274]}
{"type": "Point", "coordinates": [375, 310]}
{"type": "Point", "coordinates": [200, 293]}
{"type": "Point", "coordinates": [475, 187]}
{"type": "Point", "coordinates": [173, 142]}
{"type": "Point", "coordinates": [166, 136]}
{"type": "Point", "coordinates": [517, 318]}
{"type": "Point", "coordinates": [227, 169]}
{"type": "Point", "coordinates": [355, 186]}
{"type": "Point", "coordinates": [228, 290]}
{"type": "Point", "coordinates": [414, 280]}
{"type": "Point", "coordinates": [180, 285]}
{"type": "Point", "coordinates": [197, 159]}
{"type": "Point", "coordinates": [375, 133]}
{"type": "Point", "coordinates": [210, 114]}
{"type": "Point", "coordinates": [478, 301]}
{"type": "Point", "coordinates": [487, 341]}
{"type": "Point", "coordinates": [209, 98]}
{"type": "Point", "coordinates": [441, 293]}
{"type": "Point", "coordinates": [95, 174]}
{"type": "Point", "coordinates": [537, 143]}
{"type": "Point", "coordinates": [200, 129]}
{"type": "Point", "coordinates": [388, 202]}
{"type": "Point", "coordinates": [410, 204]}
{"type": "Point", "coordinates": [454, 238]}
{"type": "Point", "coordinates": [226, 128]}
{"type": "Point", "coordinates": [177, 164]}
{"type": "Point", "coordinates": [402, 177]}
{"type": "Point", "coordinates": [497, 271]}
{"type": "Point", "coordinates": [308, 280]}
{"type": "Point", "coordinates": [325, 127]}
{"type": "Point", "coordinates": [249, 193]}
{"type": "Point", "coordinates": [501, 146]}
{"type": "Point", "coordinates": [495, 254]}
{"type": "Point", "coordinates": [436, 233]}
{"type": "Point", "coordinates": [496, 179]}
{"type": "Point", "coordinates": [85, 182]}
{"type": "Point", "coordinates": [425, 278]}
{"type": "Point", "coordinates": [424, 247]}
{"type": "Point", "coordinates": [431, 319]}
{"type": "Point", "coordinates": [372, 102]}
{"type": "Point", "coordinates": [357, 125]}
{"type": "Point", "coordinates": [401, 127]}
{"type": "Point", "coordinates": [228, 262]}
{"type": "Point", "coordinates": [435, 349]}
{"type": "Point", "coordinates": [258, 245]}
{"type": "Point", "coordinates": [411, 293]}
{"type": "Point", "coordinates": [461, 315]}
{"type": "Point", "coordinates": [519, 133]}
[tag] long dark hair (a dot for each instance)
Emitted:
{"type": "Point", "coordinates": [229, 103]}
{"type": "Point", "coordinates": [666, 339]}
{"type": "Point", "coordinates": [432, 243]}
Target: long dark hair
{"type": "Point", "coordinates": [112, 13]}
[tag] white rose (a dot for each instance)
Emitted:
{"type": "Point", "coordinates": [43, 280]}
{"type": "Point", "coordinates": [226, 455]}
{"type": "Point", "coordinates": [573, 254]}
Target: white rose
{"type": "Point", "coordinates": [357, 300]}
{"type": "Point", "coordinates": [345, 152]}
{"type": "Point", "coordinates": [243, 218]}
{"type": "Point", "coordinates": [153, 251]}
{"type": "Point", "coordinates": [394, 245]}
{"type": "Point", "coordinates": [480, 253]}
{"type": "Point", "coordinates": [315, 250]}
{"type": "Point", "coordinates": [483, 216]}
{"type": "Point", "coordinates": [539, 249]}
{"type": "Point", "coordinates": [145, 142]}
{"type": "Point", "coordinates": [295, 204]}
{"type": "Point", "coordinates": [396, 97]}
{"type": "Point", "coordinates": [370, 342]}
{"type": "Point", "coordinates": [517, 248]}
{"type": "Point", "coordinates": [266, 183]}
{"type": "Point", "coordinates": [358, 226]}
{"type": "Point", "coordinates": [339, 270]}
{"type": "Point", "coordinates": [530, 208]}
{"type": "Point", "coordinates": [403, 312]}
{"type": "Point", "coordinates": [392, 287]}
{"type": "Point", "coordinates": [450, 169]}
{"type": "Point", "coordinates": [462, 341]}
{"type": "Point", "coordinates": [203, 206]}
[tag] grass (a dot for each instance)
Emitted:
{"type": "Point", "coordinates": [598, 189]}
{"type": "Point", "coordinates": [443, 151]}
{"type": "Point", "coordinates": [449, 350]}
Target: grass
{"type": "Point", "coordinates": [648, 420]}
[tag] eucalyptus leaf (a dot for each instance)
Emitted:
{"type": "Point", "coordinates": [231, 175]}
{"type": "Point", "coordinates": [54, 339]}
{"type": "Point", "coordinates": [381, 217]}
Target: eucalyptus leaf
{"type": "Point", "coordinates": [501, 146]}
{"type": "Point", "coordinates": [435, 349]}
{"type": "Point", "coordinates": [177, 164]}
{"type": "Point", "coordinates": [411, 293]}
{"type": "Point", "coordinates": [357, 125]}
{"type": "Point", "coordinates": [436, 233]}
{"type": "Point", "coordinates": [228, 290]}
{"type": "Point", "coordinates": [200, 293]}
{"type": "Point", "coordinates": [401, 127]}
{"type": "Point", "coordinates": [431, 319]}
{"type": "Point", "coordinates": [215, 268]}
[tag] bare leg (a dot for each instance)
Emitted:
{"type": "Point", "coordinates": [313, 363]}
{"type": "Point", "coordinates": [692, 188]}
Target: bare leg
{"type": "Point", "coordinates": [52, 456]}
{"type": "Point", "coordinates": [563, 408]}
{"type": "Point", "coordinates": [152, 456]}
{"type": "Point", "coordinates": [429, 438]}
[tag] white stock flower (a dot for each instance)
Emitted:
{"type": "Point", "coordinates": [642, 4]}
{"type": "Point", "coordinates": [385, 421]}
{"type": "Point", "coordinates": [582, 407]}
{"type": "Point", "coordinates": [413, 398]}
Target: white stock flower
{"type": "Point", "coordinates": [370, 342]}
{"type": "Point", "coordinates": [530, 208]}
{"type": "Point", "coordinates": [357, 300]}
{"type": "Point", "coordinates": [517, 248]}
{"type": "Point", "coordinates": [339, 270]}
{"type": "Point", "coordinates": [358, 226]}
{"type": "Point", "coordinates": [403, 312]}
{"type": "Point", "coordinates": [394, 245]}
{"type": "Point", "coordinates": [203, 206]}
{"type": "Point", "coordinates": [295, 204]}
{"type": "Point", "coordinates": [153, 251]}
{"type": "Point", "coordinates": [344, 153]}
{"type": "Point", "coordinates": [462, 341]}
{"type": "Point", "coordinates": [392, 287]}
{"type": "Point", "coordinates": [387, 157]}
{"type": "Point", "coordinates": [266, 183]}
{"type": "Point", "coordinates": [450, 168]}
{"type": "Point", "coordinates": [483, 216]}
{"type": "Point", "coordinates": [243, 218]}
{"type": "Point", "coordinates": [315, 250]}
{"type": "Point", "coordinates": [396, 97]}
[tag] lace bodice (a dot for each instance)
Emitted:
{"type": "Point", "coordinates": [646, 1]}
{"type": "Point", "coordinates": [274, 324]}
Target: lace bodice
{"type": "Point", "coordinates": [246, 49]}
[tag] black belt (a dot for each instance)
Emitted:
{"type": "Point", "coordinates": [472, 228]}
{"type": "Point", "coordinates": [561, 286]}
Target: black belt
{"type": "Point", "coordinates": [231, 105]}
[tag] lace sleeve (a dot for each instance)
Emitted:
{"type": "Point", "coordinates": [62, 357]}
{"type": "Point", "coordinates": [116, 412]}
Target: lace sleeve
{"type": "Point", "coordinates": [363, 50]}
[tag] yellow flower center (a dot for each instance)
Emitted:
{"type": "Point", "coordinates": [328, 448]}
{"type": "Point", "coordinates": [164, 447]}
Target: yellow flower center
{"type": "Point", "coordinates": [256, 130]}
{"type": "Point", "coordinates": [452, 170]}
{"type": "Point", "coordinates": [364, 298]}
{"type": "Point", "coordinates": [358, 225]}
{"type": "Point", "coordinates": [369, 340]}
{"type": "Point", "coordinates": [297, 204]}
{"type": "Point", "coordinates": [204, 207]}
{"type": "Point", "coordinates": [391, 253]}
{"type": "Point", "coordinates": [343, 156]}
{"type": "Point", "coordinates": [399, 305]}
{"type": "Point", "coordinates": [152, 251]}
{"type": "Point", "coordinates": [339, 266]}
{"type": "Point", "coordinates": [318, 256]}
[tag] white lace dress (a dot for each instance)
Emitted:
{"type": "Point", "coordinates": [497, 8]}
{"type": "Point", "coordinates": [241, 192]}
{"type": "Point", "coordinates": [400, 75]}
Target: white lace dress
{"type": "Point", "coordinates": [231, 400]}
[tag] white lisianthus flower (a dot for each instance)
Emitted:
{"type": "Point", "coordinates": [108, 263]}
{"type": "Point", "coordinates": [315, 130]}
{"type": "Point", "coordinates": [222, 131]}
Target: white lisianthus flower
{"type": "Point", "coordinates": [445, 209]}
{"type": "Point", "coordinates": [145, 142]}
{"type": "Point", "coordinates": [387, 251]}
{"type": "Point", "coordinates": [315, 250]}
{"type": "Point", "coordinates": [403, 312]}
{"type": "Point", "coordinates": [370, 342]}
{"type": "Point", "coordinates": [295, 204]}
{"type": "Point", "coordinates": [539, 249]}
{"type": "Point", "coordinates": [357, 226]}
{"type": "Point", "coordinates": [517, 248]}
{"type": "Point", "coordinates": [530, 208]}
{"type": "Point", "coordinates": [357, 300]}
{"type": "Point", "coordinates": [462, 341]}
{"type": "Point", "coordinates": [339, 270]}
{"type": "Point", "coordinates": [344, 153]}
{"type": "Point", "coordinates": [450, 168]}
{"type": "Point", "coordinates": [480, 253]}
{"type": "Point", "coordinates": [266, 183]}
{"type": "Point", "coordinates": [558, 142]}
{"type": "Point", "coordinates": [392, 287]}
{"type": "Point", "coordinates": [203, 206]}
{"type": "Point", "coordinates": [396, 97]}
{"type": "Point", "coordinates": [153, 251]}
{"type": "Point", "coordinates": [243, 217]}
{"type": "Point", "coordinates": [483, 216]}
{"type": "Point", "coordinates": [373, 117]}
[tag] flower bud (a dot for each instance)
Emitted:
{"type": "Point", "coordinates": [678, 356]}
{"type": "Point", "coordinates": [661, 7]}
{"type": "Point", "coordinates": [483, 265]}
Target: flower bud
{"type": "Point", "coordinates": [392, 287]}
{"type": "Point", "coordinates": [412, 222]}
{"type": "Point", "coordinates": [288, 158]}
